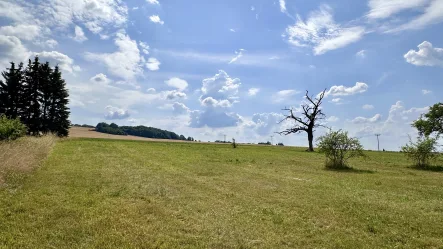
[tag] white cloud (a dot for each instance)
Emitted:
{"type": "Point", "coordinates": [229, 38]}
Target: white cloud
{"type": "Point", "coordinates": [346, 91]}
{"type": "Point", "coordinates": [177, 83]}
{"type": "Point", "coordinates": [153, 1]}
{"type": "Point", "coordinates": [284, 95]}
{"type": "Point", "coordinates": [12, 49]}
{"type": "Point", "coordinates": [368, 107]}
{"type": "Point", "coordinates": [426, 55]}
{"type": "Point", "coordinates": [337, 100]}
{"type": "Point", "coordinates": [425, 92]}
{"type": "Point", "coordinates": [51, 43]}
{"type": "Point", "coordinates": [173, 95]}
{"type": "Point", "coordinates": [282, 6]}
{"type": "Point", "coordinates": [362, 120]}
{"type": "Point", "coordinates": [153, 64]}
{"type": "Point", "coordinates": [266, 123]}
{"type": "Point", "coordinates": [252, 8]}
{"type": "Point", "coordinates": [361, 54]}
{"type": "Point", "coordinates": [381, 9]}
{"type": "Point", "coordinates": [214, 118]}
{"type": "Point", "coordinates": [232, 30]}
{"type": "Point", "coordinates": [145, 47]}
{"type": "Point", "coordinates": [65, 62]}
{"type": "Point", "coordinates": [79, 35]}
{"type": "Point", "coordinates": [253, 91]}
{"type": "Point", "coordinates": [321, 32]}
{"type": "Point", "coordinates": [239, 54]}
{"type": "Point", "coordinates": [432, 14]}
{"type": "Point", "coordinates": [220, 87]}
{"type": "Point", "coordinates": [151, 90]}
{"type": "Point", "coordinates": [332, 119]}
{"type": "Point", "coordinates": [180, 108]}
{"type": "Point", "coordinates": [100, 79]}
{"type": "Point", "coordinates": [113, 113]}
{"type": "Point", "coordinates": [156, 19]}
{"type": "Point", "coordinates": [21, 31]}
{"type": "Point", "coordinates": [125, 63]}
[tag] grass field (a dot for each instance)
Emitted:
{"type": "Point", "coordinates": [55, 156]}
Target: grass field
{"type": "Point", "coordinates": [97, 193]}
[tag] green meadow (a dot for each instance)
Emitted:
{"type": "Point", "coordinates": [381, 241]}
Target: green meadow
{"type": "Point", "coordinates": [96, 193]}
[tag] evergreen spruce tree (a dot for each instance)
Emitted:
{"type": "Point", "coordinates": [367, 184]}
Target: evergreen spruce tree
{"type": "Point", "coordinates": [32, 115]}
{"type": "Point", "coordinates": [11, 91]}
{"type": "Point", "coordinates": [47, 93]}
{"type": "Point", "coordinates": [58, 110]}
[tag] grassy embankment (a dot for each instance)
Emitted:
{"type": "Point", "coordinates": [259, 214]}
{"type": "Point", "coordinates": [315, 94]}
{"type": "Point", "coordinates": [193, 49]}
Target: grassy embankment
{"type": "Point", "coordinates": [93, 193]}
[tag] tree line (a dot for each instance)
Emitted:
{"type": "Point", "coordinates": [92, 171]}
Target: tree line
{"type": "Point", "coordinates": [139, 131]}
{"type": "Point", "coordinates": [37, 96]}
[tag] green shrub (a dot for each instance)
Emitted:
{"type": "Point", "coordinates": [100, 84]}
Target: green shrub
{"type": "Point", "coordinates": [338, 148]}
{"type": "Point", "coordinates": [422, 152]}
{"type": "Point", "coordinates": [11, 129]}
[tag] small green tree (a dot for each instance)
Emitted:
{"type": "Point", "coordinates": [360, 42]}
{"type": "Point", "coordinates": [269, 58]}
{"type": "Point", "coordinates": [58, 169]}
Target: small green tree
{"type": "Point", "coordinates": [11, 129]}
{"type": "Point", "coordinates": [422, 152]}
{"type": "Point", "coordinates": [339, 148]}
{"type": "Point", "coordinates": [431, 122]}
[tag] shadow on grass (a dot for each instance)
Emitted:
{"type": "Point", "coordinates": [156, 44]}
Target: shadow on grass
{"type": "Point", "coordinates": [428, 168]}
{"type": "Point", "coordinates": [351, 170]}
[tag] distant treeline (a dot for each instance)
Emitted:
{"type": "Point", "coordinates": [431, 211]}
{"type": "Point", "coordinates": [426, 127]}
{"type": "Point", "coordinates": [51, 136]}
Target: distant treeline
{"type": "Point", "coordinates": [139, 131]}
{"type": "Point", "coordinates": [84, 126]}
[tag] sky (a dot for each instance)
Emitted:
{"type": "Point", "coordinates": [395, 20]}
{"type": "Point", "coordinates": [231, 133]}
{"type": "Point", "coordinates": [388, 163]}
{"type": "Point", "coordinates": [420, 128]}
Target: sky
{"type": "Point", "coordinates": [226, 67]}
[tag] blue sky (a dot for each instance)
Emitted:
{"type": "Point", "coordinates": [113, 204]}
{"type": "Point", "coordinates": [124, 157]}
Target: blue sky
{"type": "Point", "coordinates": [208, 68]}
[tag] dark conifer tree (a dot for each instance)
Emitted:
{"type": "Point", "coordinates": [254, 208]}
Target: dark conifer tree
{"type": "Point", "coordinates": [11, 91]}
{"type": "Point", "coordinates": [32, 96]}
{"type": "Point", "coordinates": [47, 93]}
{"type": "Point", "coordinates": [59, 111]}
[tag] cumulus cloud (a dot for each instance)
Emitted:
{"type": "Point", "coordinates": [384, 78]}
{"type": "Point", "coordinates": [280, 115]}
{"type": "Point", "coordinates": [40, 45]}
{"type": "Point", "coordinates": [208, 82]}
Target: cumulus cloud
{"type": "Point", "coordinates": [368, 107]}
{"type": "Point", "coordinates": [220, 87]}
{"type": "Point", "coordinates": [284, 95]}
{"type": "Point", "coordinates": [253, 91]}
{"type": "Point", "coordinates": [79, 35]}
{"type": "Point", "coordinates": [266, 123]}
{"type": "Point", "coordinates": [156, 19]}
{"type": "Point", "coordinates": [337, 100]}
{"type": "Point", "coordinates": [178, 83]}
{"type": "Point", "coordinates": [12, 49]}
{"type": "Point", "coordinates": [426, 55]}
{"type": "Point", "coordinates": [173, 95]}
{"type": "Point", "coordinates": [346, 91]}
{"type": "Point", "coordinates": [425, 92]}
{"type": "Point", "coordinates": [153, 64]}
{"type": "Point", "coordinates": [51, 43]}
{"type": "Point", "coordinates": [151, 90]}
{"type": "Point", "coordinates": [65, 62]}
{"type": "Point", "coordinates": [100, 79]}
{"type": "Point", "coordinates": [239, 54]}
{"type": "Point", "coordinates": [22, 31]}
{"type": "Point", "coordinates": [214, 118]}
{"type": "Point", "coordinates": [125, 63]}
{"type": "Point", "coordinates": [180, 108]}
{"type": "Point", "coordinates": [113, 113]}
{"type": "Point", "coordinates": [362, 120]}
{"type": "Point", "coordinates": [322, 33]}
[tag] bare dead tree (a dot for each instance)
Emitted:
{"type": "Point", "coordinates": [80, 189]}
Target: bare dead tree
{"type": "Point", "coordinates": [308, 121]}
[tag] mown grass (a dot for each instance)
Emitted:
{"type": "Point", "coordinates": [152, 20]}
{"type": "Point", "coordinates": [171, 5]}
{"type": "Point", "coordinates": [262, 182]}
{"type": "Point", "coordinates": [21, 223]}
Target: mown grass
{"type": "Point", "coordinates": [128, 194]}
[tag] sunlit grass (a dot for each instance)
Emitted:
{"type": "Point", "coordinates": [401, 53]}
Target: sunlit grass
{"type": "Point", "coordinates": [128, 194]}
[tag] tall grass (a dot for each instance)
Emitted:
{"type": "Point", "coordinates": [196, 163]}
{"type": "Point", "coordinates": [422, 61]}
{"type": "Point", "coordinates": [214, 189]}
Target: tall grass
{"type": "Point", "coordinates": [22, 156]}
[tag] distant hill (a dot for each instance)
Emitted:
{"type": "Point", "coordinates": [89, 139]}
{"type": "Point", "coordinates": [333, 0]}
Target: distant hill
{"type": "Point", "coordinates": [139, 131]}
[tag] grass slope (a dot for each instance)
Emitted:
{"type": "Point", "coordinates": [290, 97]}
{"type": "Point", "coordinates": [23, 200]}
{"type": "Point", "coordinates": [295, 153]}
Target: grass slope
{"type": "Point", "coordinates": [129, 194]}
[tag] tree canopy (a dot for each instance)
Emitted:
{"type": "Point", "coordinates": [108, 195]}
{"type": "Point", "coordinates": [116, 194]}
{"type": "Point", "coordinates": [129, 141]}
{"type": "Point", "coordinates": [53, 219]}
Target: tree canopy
{"type": "Point", "coordinates": [431, 122]}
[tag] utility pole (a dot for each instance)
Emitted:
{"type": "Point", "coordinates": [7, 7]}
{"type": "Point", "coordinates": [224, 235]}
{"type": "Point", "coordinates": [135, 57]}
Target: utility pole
{"type": "Point", "coordinates": [272, 140]}
{"type": "Point", "coordinates": [224, 138]}
{"type": "Point", "coordinates": [378, 141]}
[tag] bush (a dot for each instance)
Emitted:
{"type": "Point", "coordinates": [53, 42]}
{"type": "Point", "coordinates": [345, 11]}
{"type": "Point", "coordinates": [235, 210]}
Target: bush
{"type": "Point", "coordinates": [11, 129]}
{"type": "Point", "coordinates": [422, 152]}
{"type": "Point", "coordinates": [338, 148]}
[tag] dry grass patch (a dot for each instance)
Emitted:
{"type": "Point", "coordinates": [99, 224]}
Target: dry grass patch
{"type": "Point", "coordinates": [22, 156]}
